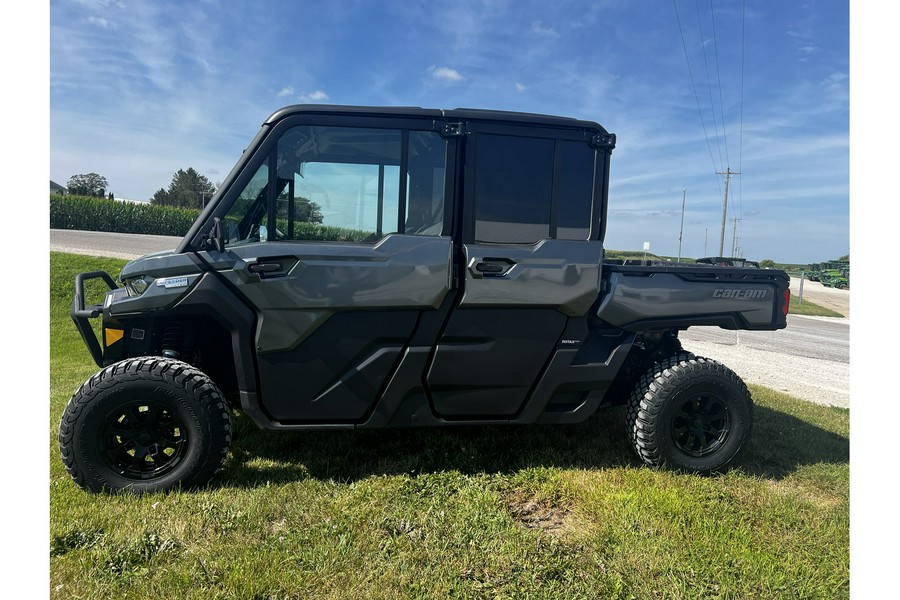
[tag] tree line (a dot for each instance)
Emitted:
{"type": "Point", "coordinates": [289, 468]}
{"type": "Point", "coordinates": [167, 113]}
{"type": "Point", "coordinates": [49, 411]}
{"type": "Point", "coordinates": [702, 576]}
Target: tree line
{"type": "Point", "coordinates": [88, 184]}
{"type": "Point", "coordinates": [188, 189]}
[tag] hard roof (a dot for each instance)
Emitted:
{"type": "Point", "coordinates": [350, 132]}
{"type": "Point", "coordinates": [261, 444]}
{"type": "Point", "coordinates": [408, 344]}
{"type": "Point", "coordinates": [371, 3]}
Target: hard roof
{"type": "Point", "coordinates": [467, 114]}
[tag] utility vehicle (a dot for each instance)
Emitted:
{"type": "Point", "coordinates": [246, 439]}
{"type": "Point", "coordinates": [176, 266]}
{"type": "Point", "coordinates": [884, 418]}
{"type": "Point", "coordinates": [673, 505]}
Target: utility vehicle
{"type": "Point", "coordinates": [370, 267]}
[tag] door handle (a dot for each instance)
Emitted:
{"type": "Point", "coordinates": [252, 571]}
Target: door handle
{"type": "Point", "coordinates": [270, 267]}
{"type": "Point", "coordinates": [259, 267]}
{"type": "Point", "coordinates": [490, 267]}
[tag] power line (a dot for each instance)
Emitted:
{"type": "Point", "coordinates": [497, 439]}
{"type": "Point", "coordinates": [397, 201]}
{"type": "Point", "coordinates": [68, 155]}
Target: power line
{"type": "Point", "coordinates": [694, 87]}
{"type": "Point", "coordinates": [709, 86]}
{"type": "Point", "coordinates": [719, 79]}
{"type": "Point", "coordinates": [725, 169]}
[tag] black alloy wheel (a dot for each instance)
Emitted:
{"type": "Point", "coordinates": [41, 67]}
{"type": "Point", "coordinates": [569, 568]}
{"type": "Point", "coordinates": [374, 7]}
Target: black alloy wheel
{"type": "Point", "coordinates": [701, 424]}
{"type": "Point", "coordinates": [143, 440]}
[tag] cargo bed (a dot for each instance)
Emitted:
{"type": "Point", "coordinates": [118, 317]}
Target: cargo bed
{"type": "Point", "coordinates": [640, 298]}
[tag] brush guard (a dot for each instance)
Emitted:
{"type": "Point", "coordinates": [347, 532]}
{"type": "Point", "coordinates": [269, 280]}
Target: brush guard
{"type": "Point", "coordinates": [82, 315]}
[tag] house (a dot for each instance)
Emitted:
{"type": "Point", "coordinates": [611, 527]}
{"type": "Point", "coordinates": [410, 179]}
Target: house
{"type": "Point", "coordinates": [55, 188]}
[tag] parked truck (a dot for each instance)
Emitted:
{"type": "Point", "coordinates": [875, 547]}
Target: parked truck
{"type": "Point", "coordinates": [369, 267]}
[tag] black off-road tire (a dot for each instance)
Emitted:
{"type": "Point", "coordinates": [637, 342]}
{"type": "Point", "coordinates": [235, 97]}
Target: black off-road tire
{"type": "Point", "coordinates": [689, 413]}
{"type": "Point", "coordinates": [145, 424]}
{"type": "Point", "coordinates": [671, 346]}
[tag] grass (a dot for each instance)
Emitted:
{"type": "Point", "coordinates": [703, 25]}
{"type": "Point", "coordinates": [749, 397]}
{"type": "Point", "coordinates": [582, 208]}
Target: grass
{"type": "Point", "coordinates": [810, 309]}
{"type": "Point", "coordinates": [526, 512]}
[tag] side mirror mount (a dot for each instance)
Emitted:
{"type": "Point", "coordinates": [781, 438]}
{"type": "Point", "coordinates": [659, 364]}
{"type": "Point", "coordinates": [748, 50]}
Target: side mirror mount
{"type": "Point", "coordinates": [216, 237]}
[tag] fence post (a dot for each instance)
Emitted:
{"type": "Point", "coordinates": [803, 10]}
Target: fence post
{"type": "Point", "coordinates": [802, 277]}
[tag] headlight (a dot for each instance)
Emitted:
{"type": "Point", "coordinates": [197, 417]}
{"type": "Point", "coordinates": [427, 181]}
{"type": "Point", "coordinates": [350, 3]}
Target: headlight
{"type": "Point", "coordinates": [138, 285]}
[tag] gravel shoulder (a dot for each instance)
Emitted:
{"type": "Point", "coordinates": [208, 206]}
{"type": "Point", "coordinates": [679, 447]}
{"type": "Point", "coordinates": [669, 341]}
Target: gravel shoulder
{"type": "Point", "coordinates": [815, 380]}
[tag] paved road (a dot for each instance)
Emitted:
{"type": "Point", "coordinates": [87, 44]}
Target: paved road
{"type": "Point", "coordinates": [810, 359]}
{"type": "Point", "coordinates": [810, 337]}
{"type": "Point", "coordinates": [116, 245]}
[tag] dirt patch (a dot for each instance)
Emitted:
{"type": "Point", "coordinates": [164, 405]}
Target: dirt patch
{"type": "Point", "coordinates": [539, 515]}
{"type": "Point", "coordinates": [817, 497]}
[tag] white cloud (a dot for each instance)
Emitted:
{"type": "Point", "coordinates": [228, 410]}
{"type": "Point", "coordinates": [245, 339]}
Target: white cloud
{"type": "Point", "coordinates": [445, 73]}
{"type": "Point", "coordinates": [100, 22]}
{"type": "Point", "coordinates": [100, 4]}
{"type": "Point", "coordinates": [316, 96]}
{"type": "Point", "coordinates": [810, 49]}
{"type": "Point", "coordinates": [207, 66]}
{"type": "Point", "coordinates": [286, 91]}
{"type": "Point", "coordinates": [520, 87]}
{"type": "Point", "coordinates": [539, 28]}
{"type": "Point", "coordinates": [804, 44]}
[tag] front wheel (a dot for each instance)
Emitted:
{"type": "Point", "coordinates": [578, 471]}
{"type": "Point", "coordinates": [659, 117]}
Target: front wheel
{"type": "Point", "coordinates": [690, 413]}
{"type": "Point", "coordinates": [145, 424]}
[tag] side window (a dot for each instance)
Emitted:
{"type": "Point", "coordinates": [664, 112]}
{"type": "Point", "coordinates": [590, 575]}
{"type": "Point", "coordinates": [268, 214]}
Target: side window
{"type": "Point", "coordinates": [528, 189]}
{"type": "Point", "coordinates": [344, 184]}
{"type": "Point", "coordinates": [245, 220]}
{"type": "Point", "coordinates": [426, 164]}
{"type": "Point", "coordinates": [576, 184]}
{"type": "Point", "coordinates": [513, 188]}
{"type": "Point", "coordinates": [338, 183]}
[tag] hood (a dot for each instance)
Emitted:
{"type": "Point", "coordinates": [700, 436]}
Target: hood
{"type": "Point", "coordinates": [167, 263]}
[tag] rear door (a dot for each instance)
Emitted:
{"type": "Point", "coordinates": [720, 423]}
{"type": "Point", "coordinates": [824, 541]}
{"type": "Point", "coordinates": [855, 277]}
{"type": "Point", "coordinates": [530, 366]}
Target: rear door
{"type": "Point", "coordinates": [531, 254]}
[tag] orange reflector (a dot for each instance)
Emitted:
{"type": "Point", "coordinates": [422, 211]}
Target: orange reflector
{"type": "Point", "coordinates": [113, 336]}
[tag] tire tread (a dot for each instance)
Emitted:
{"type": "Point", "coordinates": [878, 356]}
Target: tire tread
{"type": "Point", "coordinates": [657, 386]}
{"type": "Point", "coordinates": [198, 388]}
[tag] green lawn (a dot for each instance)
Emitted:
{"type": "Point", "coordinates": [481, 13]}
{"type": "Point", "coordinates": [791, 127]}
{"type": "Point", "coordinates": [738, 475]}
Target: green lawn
{"type": "Point", "coordinates": [525, 512]}
{"type": "Point", "coordinates": [811, 309]}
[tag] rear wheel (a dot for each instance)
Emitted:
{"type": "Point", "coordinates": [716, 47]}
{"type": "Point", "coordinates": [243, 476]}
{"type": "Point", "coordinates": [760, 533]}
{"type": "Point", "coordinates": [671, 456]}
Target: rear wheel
{"type": "Point", "coordinates": [690, 413]}
{"type": "Point", "coordinates": [145, 424]}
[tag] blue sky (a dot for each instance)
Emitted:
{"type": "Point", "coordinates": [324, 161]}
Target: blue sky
{"type": "Point", "coordinates": [139, 90]}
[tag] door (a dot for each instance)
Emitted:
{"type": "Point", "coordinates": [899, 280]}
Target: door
{"type": "Point", "coordinates": [532, 259]}
{"type": "Point", "coordinates": [335, 235]}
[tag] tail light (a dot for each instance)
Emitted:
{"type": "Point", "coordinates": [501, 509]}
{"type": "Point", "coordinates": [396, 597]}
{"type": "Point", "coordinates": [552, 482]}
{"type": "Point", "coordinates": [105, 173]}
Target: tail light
{"type": "Point", "coordinates": [787, 300]}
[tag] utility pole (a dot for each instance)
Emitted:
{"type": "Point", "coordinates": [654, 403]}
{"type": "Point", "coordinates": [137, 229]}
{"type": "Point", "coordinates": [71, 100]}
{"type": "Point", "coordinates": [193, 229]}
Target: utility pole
{"type": "Point", "coordinates": [734, 237]}
{"type": "Point", "coordinates": [705, 239]}
{"type": "Point", "coordinates": [728, 173]}
{"type": "Point", "coordinates": [681, 231]}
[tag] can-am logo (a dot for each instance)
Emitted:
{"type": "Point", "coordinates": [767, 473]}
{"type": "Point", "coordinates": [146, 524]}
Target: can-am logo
{"type": "Point", "coordinates": [742, 294]}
